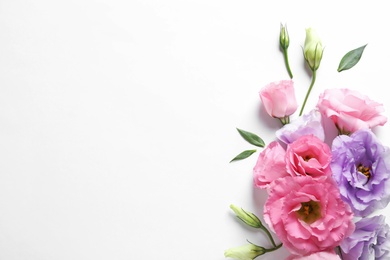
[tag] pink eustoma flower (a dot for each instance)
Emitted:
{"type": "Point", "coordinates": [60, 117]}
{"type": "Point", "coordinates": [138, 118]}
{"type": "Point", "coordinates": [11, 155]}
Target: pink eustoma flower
{"type": "Point", "coordinates": [308, 155]}
{"type": "Point", "coordinates": [270, 165]}
{"type": "Point", "coordinates": [307, 214]}
{"type": "Point", "coordinates": [331, 255]}
{"type": "Point", "coordinates": [350, 110]}
{"type": "Point", "coordinates": [279, 99]}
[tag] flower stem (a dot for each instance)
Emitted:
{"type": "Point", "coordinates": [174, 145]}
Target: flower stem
{"type": "Point", "coordinates": [313, 79]}
{"type": "Point", "coordinates": [285, 55]}
{"type": "Point", "coordinates": [269, 235]}
{"type": "Point", "coordinates": [274, 248]}
{"type": "Point", "coordinates": [340, 253]}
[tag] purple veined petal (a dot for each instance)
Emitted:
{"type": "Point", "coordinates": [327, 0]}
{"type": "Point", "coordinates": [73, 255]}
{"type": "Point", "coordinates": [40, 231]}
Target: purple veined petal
{"type": "Point", "coordinates": [370, 240]}
{"type": "Point", "coordinates": [361, 167]}
{"type": "Point", "coordinates": [308, 124]}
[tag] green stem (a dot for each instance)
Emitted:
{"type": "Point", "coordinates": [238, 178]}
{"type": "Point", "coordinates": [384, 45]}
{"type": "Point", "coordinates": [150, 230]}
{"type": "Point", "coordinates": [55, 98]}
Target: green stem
{"type": "Point", "coordinates": [269, 235]}
{"type": "Point", "coordinates": [340, 253]}
{"type": "Point", "coordinates": [313, 79]}
{"type": "Point", "coordinates": [285, 55]}
{"type": "Point", "coordinates": [274, 248]}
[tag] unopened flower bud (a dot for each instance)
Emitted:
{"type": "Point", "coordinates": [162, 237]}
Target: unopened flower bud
{"type": "Point", "coordinates": [284, 39]}
{"type": "Point", "coordinates": [248, 218]}
{"type": "Point", "coordinates": [313, 49]}
{"type": "Point", "coordinates": [246, 252]}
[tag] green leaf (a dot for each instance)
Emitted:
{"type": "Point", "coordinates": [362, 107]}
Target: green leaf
{"type": "Point", "coordinates": [243, 155]}
{"type": "Point", "coordinates": [351, 58]}
{"type": "Point", "coordinates": [251, 138]}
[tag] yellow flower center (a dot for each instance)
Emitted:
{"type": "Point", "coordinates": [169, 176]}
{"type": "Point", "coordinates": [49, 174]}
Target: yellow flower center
{"type": "Point", "coordinates": [309, 212]}
{"type": "Point", "coordinates": [365, 170]}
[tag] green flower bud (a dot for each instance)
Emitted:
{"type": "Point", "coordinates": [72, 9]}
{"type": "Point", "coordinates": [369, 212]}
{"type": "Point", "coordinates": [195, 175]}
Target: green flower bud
{"type": "Point", "coordinates": [284, 39]}
{"type": "Point", "coordinates": [246, 252]}
{"type": "Point", "coordinates": [248, 218]}
{"type": "Point", "coordinates": [313, 49]}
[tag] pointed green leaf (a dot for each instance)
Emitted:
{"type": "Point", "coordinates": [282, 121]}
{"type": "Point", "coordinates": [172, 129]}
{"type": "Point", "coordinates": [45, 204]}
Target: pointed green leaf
{"type": "Point", "coordinates": [243, 155]}
{"type": "Point", "coordinates": [351, 58]}
{"type": "Point", "coordinates": [251, 138]}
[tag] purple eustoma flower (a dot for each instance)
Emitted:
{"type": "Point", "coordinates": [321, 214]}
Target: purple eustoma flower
{"type": "Point", "coordinates": [361, 167]}
{"type": "Point", "coordinates": [304, 125]}
{"type": "Point", "coordinates": [370, 240]}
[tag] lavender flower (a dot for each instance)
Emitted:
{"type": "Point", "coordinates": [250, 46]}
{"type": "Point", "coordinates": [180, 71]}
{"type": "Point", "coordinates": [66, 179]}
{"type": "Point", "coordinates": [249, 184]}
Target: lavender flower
{"type": "Point", "coordinates": [304, 125]}
{"type": "Point", "coordinates": [361, 167]}
{"type": "Point", "coordinates": [370, 240]}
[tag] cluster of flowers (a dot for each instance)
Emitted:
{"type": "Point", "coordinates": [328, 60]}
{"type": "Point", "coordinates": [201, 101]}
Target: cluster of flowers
{"type": "Point", "coordinates": [321, 197]}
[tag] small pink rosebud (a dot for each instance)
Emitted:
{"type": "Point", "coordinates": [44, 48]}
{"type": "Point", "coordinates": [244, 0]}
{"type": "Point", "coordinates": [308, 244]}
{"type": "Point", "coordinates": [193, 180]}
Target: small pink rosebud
{"type": "Point", "coordinates": [279, 98]}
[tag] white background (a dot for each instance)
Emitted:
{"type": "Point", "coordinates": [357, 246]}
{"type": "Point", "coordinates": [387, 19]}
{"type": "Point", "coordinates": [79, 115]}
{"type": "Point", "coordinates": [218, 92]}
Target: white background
{"type": "Point", "coordinates": [118, 118]}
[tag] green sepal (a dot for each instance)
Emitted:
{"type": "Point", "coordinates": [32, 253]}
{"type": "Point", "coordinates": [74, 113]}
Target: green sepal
{"type": "Point", "coordinates": [247, 217]}
{"type": "Point", "coordinates": [246, 252]}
